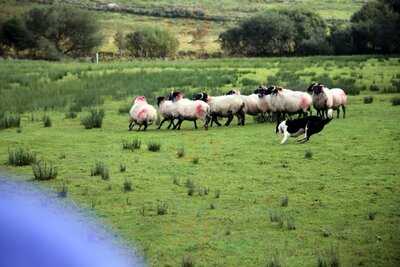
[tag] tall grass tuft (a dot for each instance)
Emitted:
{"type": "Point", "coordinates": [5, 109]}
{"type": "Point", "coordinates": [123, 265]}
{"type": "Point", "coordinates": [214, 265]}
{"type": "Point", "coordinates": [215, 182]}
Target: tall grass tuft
{"type": "Point", "coordinates": [43, 170]}
{"type": "Point", "coordinates": [63, 191]}
{"type": "Point", "coordinates": [134, 144]}
{"type": "Point", "coordinates": [308, 154]}
{"type": "Point", "coordinates": [284, 201]}
{"type": "Point", "coordinates": [368, 99]}
{"type": "Point", "coordinates": [94, 119]}
{"type": "Point", "coordinates": [128, 186]}
{"type": "Point", "coordinates": [395, 101]}
{"type": "Point", "coordinates": [274, 261]}
{"type": "Point", "coordinates": [162, 208]}
{"type": "Point", "coordinates": [46, 121]}
{"type": "Point", "coordinates": [21, 157]}
{"type": "Point", "coordinates": [187, 261]}
{"type": "Point", "coordinates": [9, 120]}
{"type": "Point", "coordinates": [100, 169]}
{"type": "Point", "coordinates": [180, 152]}
{"type": "Point", "coordinates": [153, 146]}
{"type": "Point", "coordinates": [122, 167]}
{"type": "Point", "coordinates": [124, 109]}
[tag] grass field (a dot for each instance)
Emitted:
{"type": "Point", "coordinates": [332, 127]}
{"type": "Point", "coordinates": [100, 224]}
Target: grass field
{"type": "Point", "coordinates": [111, 22]}
{"type": "Point", "coordinates": [216, 200]}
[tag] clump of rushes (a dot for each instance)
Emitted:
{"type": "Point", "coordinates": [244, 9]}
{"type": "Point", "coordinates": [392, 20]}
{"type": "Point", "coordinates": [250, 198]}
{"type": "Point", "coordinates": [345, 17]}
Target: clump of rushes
{"type": "Point", "coordinates": [187, 261]}
{"type": "Point", "coordinates": [46, 121]}
{"type": "Point", "coordinates": [153, 146]}
{"type": "Point", "coordinates": [285, 201]}
{"type": "Point", "coordinates": [134, 144]}
{"type": "Point", "coordinates": [100, 169]}
{"type": "Point", "coordinates": [395, 101]}
{"type": "Point", "coordinates": [94, 119]}
{"type": "Point", "coordinates": [195, 160]}
{"type": "Point", "coordinates": [308, 154]}
{"type": "Point", "coordinates": [122, 167]}
{"type": "Point", "coordinates": [127, 186]}
{"type": "Point", "coordinates": [9, 120]}
{"type": "Point", "coordinates": [43, 170]}
{"type": "Point", "coordinates": [21, 157]}
{"type": "Point", "coordinates": [368, 99]}
{"type": "Point", "coordinates": [180, 153]}
{"type": "Point", "coordinates": [63, 191]}
{"type": "Point", "coordinates": [162, 208]}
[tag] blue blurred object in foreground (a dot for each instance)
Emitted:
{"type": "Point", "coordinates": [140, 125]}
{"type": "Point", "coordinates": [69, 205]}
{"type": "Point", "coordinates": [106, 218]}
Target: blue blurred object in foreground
{"type": "Point", "coordinates": [38, 230]}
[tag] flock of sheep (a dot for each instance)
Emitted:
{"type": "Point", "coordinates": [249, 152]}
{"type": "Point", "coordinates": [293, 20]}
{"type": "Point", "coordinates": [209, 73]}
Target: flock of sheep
{"type": "Point", "coordinates": [175, 108]}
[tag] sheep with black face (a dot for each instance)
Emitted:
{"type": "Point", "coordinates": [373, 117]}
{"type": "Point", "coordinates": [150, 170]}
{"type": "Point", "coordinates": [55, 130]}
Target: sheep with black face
{"type": "Point", "coordinates": [141, 113]}
{"type": "Point", "coordinates": [167, 110]}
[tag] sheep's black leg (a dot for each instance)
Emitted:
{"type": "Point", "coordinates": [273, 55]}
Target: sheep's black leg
{"type": "Point", "coordinates": [230, 118]}
{"type": "Point", "coordinates": [161, 123]}
{"type": "Point", "coordinates": [338, 112]}
{"type": "Point", "coordinates": [179, 124]}
{"type": "Point", "coordinates": [214, 119]}
{"type": "Point", "coordinates": [195, 124]}
{"type": "Point", "coordinates": [140, 126]}
{"type": "Point", "coordinates": [208, 118]}
{"type": "Point", "coordinates": [344, 111]}
{"type": "Point", "coordinates": [145, 126]}
{"type": "Point", "coordinates": [171, 122]}
{"type": "Point", "coordinates": [131, 125]}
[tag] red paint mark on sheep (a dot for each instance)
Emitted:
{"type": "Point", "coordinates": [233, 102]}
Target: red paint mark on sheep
{"type": "Point", "coordinates": [304, 103]}
{"type": "Point", "coordinates": [142, 113]}
{"type": "Point", "coordinates": [199, 110]}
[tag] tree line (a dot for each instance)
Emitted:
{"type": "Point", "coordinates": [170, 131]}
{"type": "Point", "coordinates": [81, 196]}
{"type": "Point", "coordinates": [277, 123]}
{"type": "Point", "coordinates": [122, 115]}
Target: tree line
{"type": "Point", "coordinates": [57, 32]}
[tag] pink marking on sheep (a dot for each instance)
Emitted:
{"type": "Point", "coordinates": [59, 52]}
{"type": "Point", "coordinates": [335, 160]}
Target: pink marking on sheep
{"type": "Point", "coordinates": [304, 103]}
{"type": "Point", "coordinates": [142, 113]}
{"type": "Point", "coordinates": [199, 110]}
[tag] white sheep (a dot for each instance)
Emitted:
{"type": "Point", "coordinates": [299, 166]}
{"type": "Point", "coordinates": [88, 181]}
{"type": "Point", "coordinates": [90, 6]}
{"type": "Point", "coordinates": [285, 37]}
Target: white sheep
{"type": "Point", "coordinates": [286, 101]}
{"type": "Point", "coordinates": [191, 110]}
{"type": "Point", "coordinates": [254, 103]}
{"type": "Point", "coordinates": [224, 106]}
{"type": "Point", "coordinates": [325, 98]}
{"type": "Point", "coordinates": [167, 110]}
{"type": "Point", "coordinates": [141, 113]}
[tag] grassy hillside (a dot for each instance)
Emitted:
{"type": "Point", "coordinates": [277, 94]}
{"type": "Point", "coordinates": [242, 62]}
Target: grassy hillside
{"type": "Point", "coordinates": [230, 10]}
{"type": "Point", "coordinates": [336, 196]}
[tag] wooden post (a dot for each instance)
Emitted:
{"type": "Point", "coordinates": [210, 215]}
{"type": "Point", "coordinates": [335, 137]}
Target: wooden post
{"type": "Point", "coordinates": [97, 58]}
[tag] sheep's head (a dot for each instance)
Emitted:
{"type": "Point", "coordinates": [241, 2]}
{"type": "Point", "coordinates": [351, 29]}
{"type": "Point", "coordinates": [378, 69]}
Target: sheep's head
{"type": "Point", "coordinates": [200, 96]}
{"type": "Point", "coordinates": [310, 89]}
{"type": "Point", "coordinates": [139, 99]}
{"type": "Point", "coordinates": [275, 89]}
{"type": "Point", "coordinates": [263, 91]}
{"type": "Point", "coordinates": [175, 96]}
{"type": "Point", "coordinates": [233, 92]}
{"type": "Point", "coordinates": [160, 99]}
{"type": "Point", "coordinates": [318, 89]}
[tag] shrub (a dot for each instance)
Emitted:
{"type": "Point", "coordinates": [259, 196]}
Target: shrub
{"type": "Point", "coordinates": [368, 99]}
{"type": "Point", "coordinates": [395, 101]}
{"type": "Point", "coordinates": [284, 201]}
{"type": "Point", "coordinates": [21, 157]}
{"type": "Point", "coordinates": [152, 42]}
{"type": "Point", "coordinates": [71, 115]}
{"type": "Point", "coordinates": [153, 146]}
{"type": "Point", "coordinates": [127, 186]}
{"type": "Point", "coordinates": [94, 119]}
{"type": "Point", "coordinates": [374, 87]}
{"type": "Point", "coordinates": [100, 169]}
{"type": "Point", "coordinates": [162, 208]}
{"type": "Point", "coordinates": [9, 120]}
{"type": "Point", "coordinates": [180, 153]}
{"type": "Point", "coordinates": [135, 144]}
{"type": "Point", "coordinates": [44, 171]}
{"type": "Point", "coordinates": [187, 261]}
{"type": "Point", "coordinates": [46, 121]}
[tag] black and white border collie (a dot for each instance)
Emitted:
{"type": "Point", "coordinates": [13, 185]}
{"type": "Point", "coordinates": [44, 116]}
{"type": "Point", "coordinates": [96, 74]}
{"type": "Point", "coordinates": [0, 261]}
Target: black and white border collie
{"type": "Point", "coordinates": [308, 126]}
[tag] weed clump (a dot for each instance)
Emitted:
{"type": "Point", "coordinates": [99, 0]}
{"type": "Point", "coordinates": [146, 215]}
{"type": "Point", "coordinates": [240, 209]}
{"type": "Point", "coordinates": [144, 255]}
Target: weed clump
{"type": "Point", "coordinates": [395, 101]}
{"type": "Point", "coordinates": [124, 109]}
{"type": "Point", "coordinates": [133, 145]}
{"type": "Point", "coordinates": [190, 186]}
{"type": "Point", "coordinates": [71, 115]}
{"type": "Point", "coordinates": [176, 181]}
{"type": "Point", "coordinates": [284, 201]}
{"type": "Point", "coordinates": [21, 157]}
{"type": "Point", "coordinates": [180, 153]}
{"type": "Point", "coordinates": [100, 169]}
{"type": "Point", "coordinates": [44, 171]}
{"type": "Point", "coordinates": [46, 121]}
{"type": "Point", "coordinates": [122, 167]}
{"type": "Point", "coordinates": [127, 186]}
{"type": "Point", "coordinates": [217, 193]}
{"type": "Point", "coordinates": [308, 154]}
{"type": "Point", "coordinates": [371, 215]}
{"type": "Point", "coordinates": [94, 119]}
{"type": "Point", "coordinates": [274, 261]}
{"type": "Point", "coordinates": [330, 259]}
{"type": "Point", "coordinates": [8, 120]}
{"type": "Point", "coordinates": [153, 146]}
{"type": "Point", "coordinates": [187, 261]}
{"type": "Point", "coordinates": [368, 99]}
{"type": "Point", "coordinates": [195, 160]}
{"type": "Point", "coordinates": [63, 191]}
{"type": "Point", "coordinates": [162, 208]}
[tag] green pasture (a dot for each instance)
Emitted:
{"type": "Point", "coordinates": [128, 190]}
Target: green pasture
{"type": "Point", "coordinates": [334, 197]}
